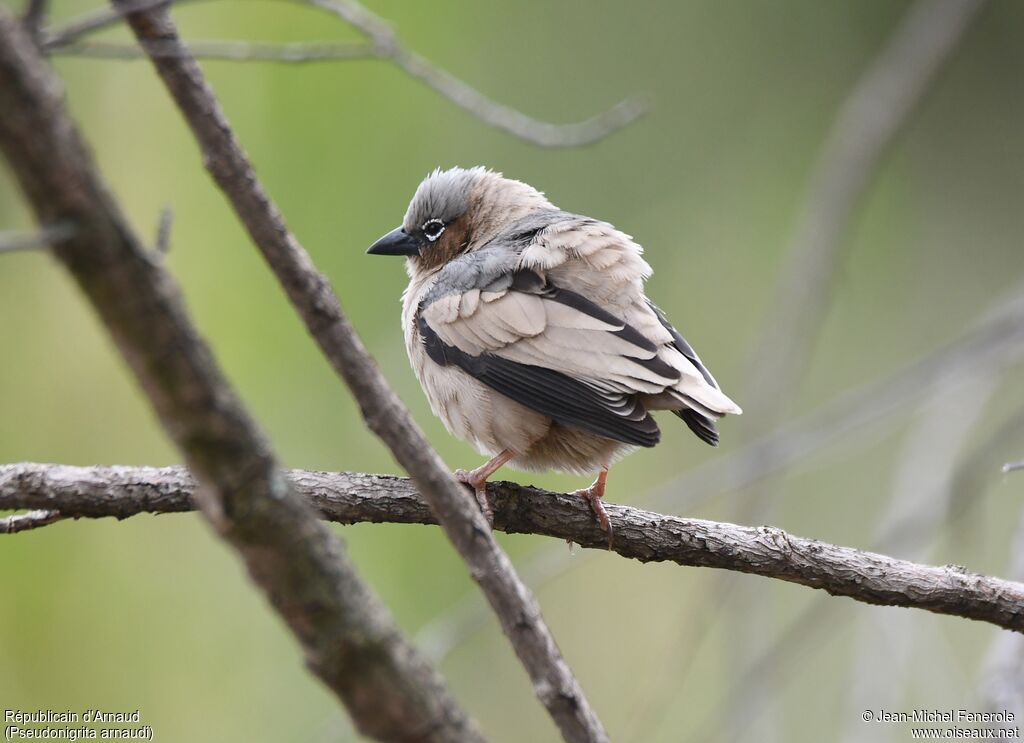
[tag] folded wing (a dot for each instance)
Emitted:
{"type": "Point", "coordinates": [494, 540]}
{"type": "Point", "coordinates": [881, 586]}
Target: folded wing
{"type": "Point", "coordinates": [500, 315]}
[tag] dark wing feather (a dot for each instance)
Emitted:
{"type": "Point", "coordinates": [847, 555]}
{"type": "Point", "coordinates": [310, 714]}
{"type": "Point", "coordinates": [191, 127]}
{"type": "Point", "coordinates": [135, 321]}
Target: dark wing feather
{"type": "Point", "coordinates": [682, 346]}
{"type": "Point", "coordinates": [566, 400]}
{"type": "Point", "coordinates": [702, 426]}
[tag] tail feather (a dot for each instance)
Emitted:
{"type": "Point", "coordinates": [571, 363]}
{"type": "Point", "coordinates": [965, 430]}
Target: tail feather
{"type": "Point", "coordinates": [709, 401]}
{"type": "Point", "coordinates": [703, 427]}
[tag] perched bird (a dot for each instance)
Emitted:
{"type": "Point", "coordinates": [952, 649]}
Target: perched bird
{"type": "Point", "coordinates": [529, 331]}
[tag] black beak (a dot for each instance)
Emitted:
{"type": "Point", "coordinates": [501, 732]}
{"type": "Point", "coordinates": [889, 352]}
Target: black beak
{"type": "Point", "coordinates": [396, 242]}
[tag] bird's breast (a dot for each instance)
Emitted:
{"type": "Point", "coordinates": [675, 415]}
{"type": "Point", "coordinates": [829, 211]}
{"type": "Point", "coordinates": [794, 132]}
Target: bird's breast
{"type": "Point", "coordinates": [470, 410]}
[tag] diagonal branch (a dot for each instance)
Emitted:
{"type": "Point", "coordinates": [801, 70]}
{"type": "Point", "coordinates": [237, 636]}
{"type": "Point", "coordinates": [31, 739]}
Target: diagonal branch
{"type": "Point", "coordinates": [311, 295]}
{"type": "Point", "coordinates": [348, 637]}
{"type": "Point", "coordinates": [348, 498]}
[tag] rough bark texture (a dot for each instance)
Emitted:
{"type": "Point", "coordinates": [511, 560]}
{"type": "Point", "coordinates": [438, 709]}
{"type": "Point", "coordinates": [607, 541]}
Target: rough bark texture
{"type": "Point", "coordinates": [348, 637]}
{"type": "Point", "coordinates": [347, 498]}
{"type": "Point", "coordinates": [311, 295]}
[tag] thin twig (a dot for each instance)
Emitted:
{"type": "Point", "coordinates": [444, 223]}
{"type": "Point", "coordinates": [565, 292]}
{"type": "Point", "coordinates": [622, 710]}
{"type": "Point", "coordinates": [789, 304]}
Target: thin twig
{"type": "Point", "coordinates": [473, 101]}
{"type": "Point", "coordinates": [349, 640]}
{"type": "Point", "coordinates": [348, 498]}
{"type": "Point", "coordinates": [162, 241]}
{"type": "Point", "coordinates": [97, 20]}
{"type": "Point", "coordinates": [977, 471]}
{"type": "Point", "coordinates": [229, 51]}
{"type": "Point", "coordinates": [383, 45]}
{"type": "Point", "coordinates": [45, 238]}
{"type": "Point", "coordinates": [1013, 466]}
{"type": "Point", "coordinates": [311, 295]}
{"type": "Point", "coordinates": [27, 521]}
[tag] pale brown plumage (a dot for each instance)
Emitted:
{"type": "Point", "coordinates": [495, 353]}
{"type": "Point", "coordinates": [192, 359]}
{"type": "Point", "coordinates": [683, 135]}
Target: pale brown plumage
{"type": "Point", "coordinates": [529, 330]}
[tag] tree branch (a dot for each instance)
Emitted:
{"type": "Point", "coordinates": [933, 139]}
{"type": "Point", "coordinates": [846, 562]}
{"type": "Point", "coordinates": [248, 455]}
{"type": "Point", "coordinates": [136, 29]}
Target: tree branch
{"type": "Point", "coordinates": [348, 498]}
{"type": "Point", "coordinates": [349, 639]}
{"type": "Point", "coordinates": [311, 295]}
{"type": "Point", "coordinates": [1013, 466]}
{"type": "Point", "coordinates": [229, 51]}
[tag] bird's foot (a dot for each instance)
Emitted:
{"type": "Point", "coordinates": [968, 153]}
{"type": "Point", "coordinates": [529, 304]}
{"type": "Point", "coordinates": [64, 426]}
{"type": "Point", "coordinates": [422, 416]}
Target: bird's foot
{"type": "Point", "coordinates": [593, 494]}
{"type": "Point", "coordinates": [477, 479]}
{"type": "Point", "coordinates": [479, 485]}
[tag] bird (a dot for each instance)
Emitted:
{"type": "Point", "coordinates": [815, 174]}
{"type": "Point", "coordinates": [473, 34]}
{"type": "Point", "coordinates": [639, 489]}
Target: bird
{"type": "Point", "coordinates": [530, 332]}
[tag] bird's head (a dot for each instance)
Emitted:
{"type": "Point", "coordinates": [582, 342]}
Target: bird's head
{"type": "Point", "coordinates": [456, 211]}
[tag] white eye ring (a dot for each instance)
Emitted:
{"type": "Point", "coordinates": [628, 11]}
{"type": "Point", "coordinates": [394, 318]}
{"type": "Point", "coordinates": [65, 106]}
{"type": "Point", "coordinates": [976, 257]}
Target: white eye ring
{"type": "Point", "coordinates": [433, 223]}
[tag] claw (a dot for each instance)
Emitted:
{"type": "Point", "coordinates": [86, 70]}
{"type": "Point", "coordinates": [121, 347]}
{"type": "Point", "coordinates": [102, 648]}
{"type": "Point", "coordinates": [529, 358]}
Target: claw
{"type": "Point", "coordinates": [593, 494]}
{"type": "Point", "coordinates": [479, 490]}
{"type": "Point", "coordinates": [477, 479]}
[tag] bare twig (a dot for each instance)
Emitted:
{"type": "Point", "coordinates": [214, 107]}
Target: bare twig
{"type": "Point", "coordinates": [471, 100]}
{"type": "Point", "coordinates": [162, 242]}
{"type": "Point", "coordinates": [11, 242]}
{"type": "Point", "coordinates": [1013, 466]}
{"type": "Point", "coordinates": [230, 51]}
{"type": "Point", "coordinates": [27, 521]}
{"type": "Point", "coordinates": [383, 45]}
{"type": "Point", "coordinates": [97, 20]}
{"type": "Point", "coordinates": [348, 637]}
{"type": "Point", "coordinates": [976, 472]}
{"type": "Point", "coordinates": [348, 498]}
{"type": "Point", "coordinates": [311, 295]}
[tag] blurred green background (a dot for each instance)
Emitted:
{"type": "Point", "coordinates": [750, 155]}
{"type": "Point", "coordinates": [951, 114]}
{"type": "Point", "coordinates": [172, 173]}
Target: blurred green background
{"type": "Point", "coordinates": [153, 613]}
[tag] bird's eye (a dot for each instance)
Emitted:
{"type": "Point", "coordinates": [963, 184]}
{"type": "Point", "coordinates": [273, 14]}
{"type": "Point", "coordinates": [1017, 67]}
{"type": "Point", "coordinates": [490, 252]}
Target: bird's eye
{"type": "Point", "coordinates": [432, 229]}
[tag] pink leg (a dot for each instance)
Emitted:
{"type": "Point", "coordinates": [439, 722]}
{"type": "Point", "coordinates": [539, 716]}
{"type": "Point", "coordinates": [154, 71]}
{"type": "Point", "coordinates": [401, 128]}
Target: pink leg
{"type": "Point", "coordinates": [593, 494]}
{"type": "Point", "coordinates": [477, 479]}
